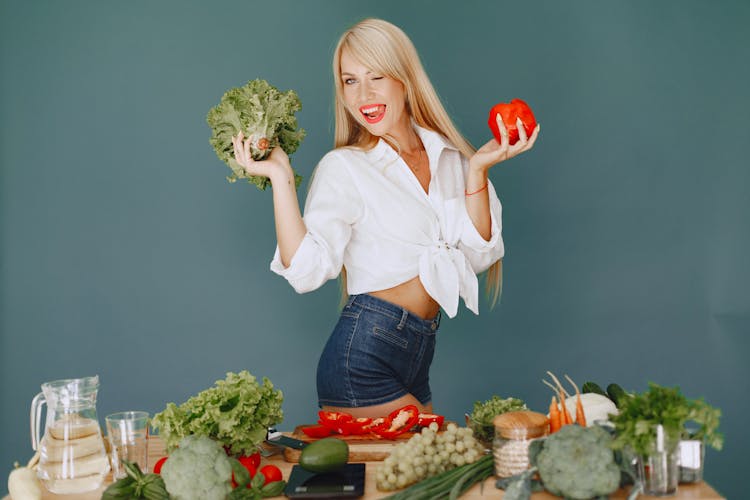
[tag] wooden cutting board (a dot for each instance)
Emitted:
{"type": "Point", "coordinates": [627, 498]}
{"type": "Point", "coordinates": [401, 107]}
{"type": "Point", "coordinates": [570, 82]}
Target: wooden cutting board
{"type": "Point", "coordinates": [363, 448]}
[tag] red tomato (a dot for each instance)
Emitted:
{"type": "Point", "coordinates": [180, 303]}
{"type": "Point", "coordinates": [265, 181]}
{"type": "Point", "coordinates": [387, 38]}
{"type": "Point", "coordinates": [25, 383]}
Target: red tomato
{"type": "Point", "coordinates": [271, 473]}
{"type": "Point", "coordinates": [158, 464]}
{"type": "Point", "coordinates": [509, 112]}
{"type": "Point", "coordinates": [251, 463]}
{"type": "Point", "coordinates": [254, 459]}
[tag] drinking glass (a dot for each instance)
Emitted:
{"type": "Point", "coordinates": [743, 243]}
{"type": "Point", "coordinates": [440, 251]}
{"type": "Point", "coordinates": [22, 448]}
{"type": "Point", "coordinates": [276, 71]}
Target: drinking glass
{"type": "Point", "coordinates": [128, 438]}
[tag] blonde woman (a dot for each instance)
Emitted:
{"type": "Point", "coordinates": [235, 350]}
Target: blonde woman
{"type": "Point", "coordinates": [403, 207]}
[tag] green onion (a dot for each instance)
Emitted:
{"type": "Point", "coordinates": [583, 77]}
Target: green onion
{"type": "Point", "coordinates": [450, 484]}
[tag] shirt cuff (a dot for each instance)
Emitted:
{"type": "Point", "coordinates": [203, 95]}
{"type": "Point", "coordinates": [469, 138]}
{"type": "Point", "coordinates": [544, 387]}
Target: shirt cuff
{"type": "Point", "coordinates": [301, 271]}
{"type": "Point", "coordinates": [472, 239]}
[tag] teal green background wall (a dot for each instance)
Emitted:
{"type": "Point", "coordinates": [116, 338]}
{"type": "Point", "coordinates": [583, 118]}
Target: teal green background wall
{"type": "Point", "coordinates": [125, 253]}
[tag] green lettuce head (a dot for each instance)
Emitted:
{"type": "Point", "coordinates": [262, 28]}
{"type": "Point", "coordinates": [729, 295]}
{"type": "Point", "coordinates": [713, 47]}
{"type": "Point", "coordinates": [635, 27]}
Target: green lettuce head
{"type": "Point", "coordinates": [236, 412]}
{"type": "Point", "coordinates": [263, 114]}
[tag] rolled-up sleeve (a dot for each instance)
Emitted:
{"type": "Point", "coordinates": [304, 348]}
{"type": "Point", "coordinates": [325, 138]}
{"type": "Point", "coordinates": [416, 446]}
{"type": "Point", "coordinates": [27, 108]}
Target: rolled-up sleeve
{"type": "Point", "coordinates": [482, 253]}
{"type": "Point", "coordinates": [333, 205]}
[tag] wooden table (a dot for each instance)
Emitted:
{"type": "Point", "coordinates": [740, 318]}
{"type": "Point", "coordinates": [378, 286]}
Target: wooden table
{"type": "Point", "coordinates": [487, 491]}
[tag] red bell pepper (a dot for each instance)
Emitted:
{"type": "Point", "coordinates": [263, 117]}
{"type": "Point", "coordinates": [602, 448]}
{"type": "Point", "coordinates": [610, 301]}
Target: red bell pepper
{"type": "Point", "coordinates": [425, 419]}
{"type": "Point", "coordinates": [398, 422]}
{"type": "Point", "coordinates": [317, 431]}
{"type": "Point", "coordinates": [356, 427]}
{"type": "Point", "coordinates": [509, 112]}
{"type": "Point", "coordinates": [334, 420]}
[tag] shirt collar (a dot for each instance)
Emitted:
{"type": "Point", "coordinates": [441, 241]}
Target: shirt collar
{"type": "Point", "coordinates": [434, 143]}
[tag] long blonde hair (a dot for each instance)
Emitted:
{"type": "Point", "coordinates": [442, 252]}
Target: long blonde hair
{"type": "Point", "coordinates": [385, 49]}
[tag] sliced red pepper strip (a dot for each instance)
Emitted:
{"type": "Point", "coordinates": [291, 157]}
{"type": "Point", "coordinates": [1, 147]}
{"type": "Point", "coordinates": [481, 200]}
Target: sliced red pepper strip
{"type": "Point", "coordinates": [317, 431]}
{"type": "Point", "coordinates": [335, 416]}
{"type": "Point", "coordinates": [398, 422]}
{"type": "Point", "coordinates": [334, 420]}
{"type": "Point", "coordinates": [357, 426]}
{"type": "Point", "coordinates": [425, 419]}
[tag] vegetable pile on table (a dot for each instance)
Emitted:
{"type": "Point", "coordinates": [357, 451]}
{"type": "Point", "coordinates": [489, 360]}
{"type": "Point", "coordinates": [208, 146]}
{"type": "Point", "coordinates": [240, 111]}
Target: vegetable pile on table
{"type": "Point", "coordinates": [199, 469]}
{"type": "Point", "coordinates": [265, 116]}
{"type": "Point", "coordinates": [212, 441]}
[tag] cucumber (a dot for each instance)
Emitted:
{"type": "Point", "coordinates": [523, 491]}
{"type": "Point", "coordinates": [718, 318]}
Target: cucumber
{"type": "Point", "coordinates": [324, 455]}
{"type": "Point", "coordinates": [617, 394]}
{"type": "Point", "coordinates": [593, 387]}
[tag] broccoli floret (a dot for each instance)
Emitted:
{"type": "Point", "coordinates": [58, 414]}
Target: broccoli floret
{"type": "Point", "coordinates": [577, 462]}
{"type": "Point", "coordinates": [198, 469]}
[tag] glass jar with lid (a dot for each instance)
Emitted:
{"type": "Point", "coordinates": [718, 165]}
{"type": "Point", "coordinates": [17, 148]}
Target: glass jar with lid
{"type": "Point", "coordinates": [514, 432]}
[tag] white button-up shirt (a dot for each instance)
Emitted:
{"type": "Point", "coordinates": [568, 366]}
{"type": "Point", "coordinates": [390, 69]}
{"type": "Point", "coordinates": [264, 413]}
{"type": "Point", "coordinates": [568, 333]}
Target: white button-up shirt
{"type": "Point", "coordinates": [367, 211]}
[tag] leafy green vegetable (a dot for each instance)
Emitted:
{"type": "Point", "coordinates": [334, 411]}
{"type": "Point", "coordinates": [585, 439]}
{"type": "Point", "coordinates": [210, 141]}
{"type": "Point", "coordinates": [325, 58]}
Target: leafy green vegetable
{"type": "Point", "coordinates": [639, 416]}
{"type": "Point", "coordinates": [263, 114]}
{"type": "Point", "coordinates": [136, 485]}
{"type": "Point", "coordinates": [481, 418]}
{"type": "Point", "coordinates": [707, 417]}
{"type": "Point", "coordinates": [236, 412]}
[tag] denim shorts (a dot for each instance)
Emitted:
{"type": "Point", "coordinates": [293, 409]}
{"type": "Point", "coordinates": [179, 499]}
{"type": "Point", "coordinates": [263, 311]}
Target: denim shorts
{"type": "Point", "coordinates": [377, 353]}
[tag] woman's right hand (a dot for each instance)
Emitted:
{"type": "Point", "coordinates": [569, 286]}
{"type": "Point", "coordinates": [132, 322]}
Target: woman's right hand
{"type": "Point", "coordinates": [276, 166]}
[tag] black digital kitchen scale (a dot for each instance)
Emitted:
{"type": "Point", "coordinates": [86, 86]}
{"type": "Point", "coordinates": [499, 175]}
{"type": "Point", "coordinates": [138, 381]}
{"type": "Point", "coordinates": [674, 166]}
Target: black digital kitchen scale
{"type": "Point", "coordinates": [347, 482]}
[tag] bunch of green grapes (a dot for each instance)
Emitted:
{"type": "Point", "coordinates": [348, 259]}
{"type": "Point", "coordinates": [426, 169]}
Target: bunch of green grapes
{"type": "Point", "coordinates": [428, 454]}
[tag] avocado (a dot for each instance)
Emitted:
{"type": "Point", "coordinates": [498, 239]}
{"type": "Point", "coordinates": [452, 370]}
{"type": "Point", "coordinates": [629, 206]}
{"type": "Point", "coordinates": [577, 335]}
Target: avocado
{"type": "Point", "coordinates": [324, 455]}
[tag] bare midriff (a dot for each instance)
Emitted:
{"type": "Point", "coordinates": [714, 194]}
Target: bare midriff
{"type": "Point", "coordinates": [412, 296]}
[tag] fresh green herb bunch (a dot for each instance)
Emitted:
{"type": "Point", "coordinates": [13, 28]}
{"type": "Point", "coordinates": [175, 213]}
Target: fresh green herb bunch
{"type": "Point", "coordinates": [136, 485]}
{"type": "Point", "coordinates": [237, 412]}
{"type": "Point", "coordinates": [265, 116]}
{"type": "Point", "coordinates": [481, 417]}
{"type": "Point", "coordinates": [635, 425]}
{"type": "Point", "coordinates": [707, 417]}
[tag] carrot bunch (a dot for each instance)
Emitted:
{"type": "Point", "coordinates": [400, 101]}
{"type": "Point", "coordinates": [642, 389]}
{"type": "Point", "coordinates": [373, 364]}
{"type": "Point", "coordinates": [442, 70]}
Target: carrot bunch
{"type": "Point", "coordinates": [560, 416]}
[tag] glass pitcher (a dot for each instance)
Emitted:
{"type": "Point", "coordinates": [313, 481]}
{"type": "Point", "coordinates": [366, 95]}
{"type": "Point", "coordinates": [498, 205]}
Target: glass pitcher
{"type": "Point", "coordinates": [72, 458]}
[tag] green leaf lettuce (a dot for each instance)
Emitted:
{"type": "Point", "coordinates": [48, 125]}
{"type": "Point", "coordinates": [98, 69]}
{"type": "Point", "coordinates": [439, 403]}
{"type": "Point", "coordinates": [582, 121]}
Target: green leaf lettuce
{"type": "Point", "coordinates": [237, 412]}
{"type": "Point", "coordinates": [263, 114]}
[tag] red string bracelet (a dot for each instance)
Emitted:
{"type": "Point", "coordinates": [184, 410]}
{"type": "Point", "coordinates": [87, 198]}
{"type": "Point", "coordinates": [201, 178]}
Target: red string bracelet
{"type": "Point", "coordinates": [478, 190]}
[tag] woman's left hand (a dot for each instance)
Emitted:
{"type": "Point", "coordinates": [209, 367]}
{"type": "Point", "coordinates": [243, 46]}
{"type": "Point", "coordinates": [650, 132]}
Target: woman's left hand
{"type": "Point", "coordinates": [494, 152]}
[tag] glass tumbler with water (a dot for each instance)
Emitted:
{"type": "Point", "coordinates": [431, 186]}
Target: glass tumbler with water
{"type": "Point", "coordinates": [128, 439]}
